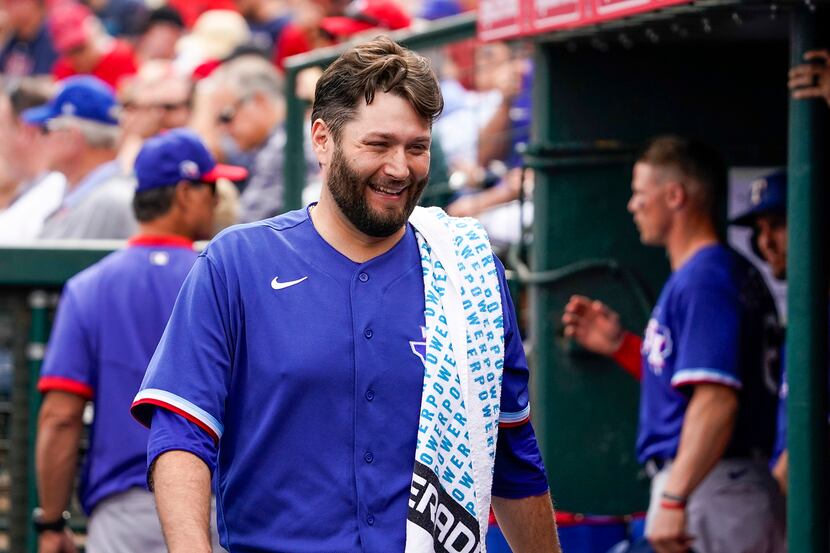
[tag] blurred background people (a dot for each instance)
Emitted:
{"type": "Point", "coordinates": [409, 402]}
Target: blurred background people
{"type": "Point", "coordinates": [215, 35]}
{"type": "Point", "coordinates": [320, 23]}
{"type": "Point", "coordinates": [156, 99]}
{"type": "Point", "coordinates": [37, 191]}
{"type": "Point", "coordinates": [29, 50]}
{"type": "Point", "coordinates": [110, 318]}
{"type": "Point", "coordinates": [159, 34]}
{"type": "Point", "coordinates": [248, 105]}
{"type": "Point", "coordinates": [85, 47]}
{"type": "Point", "coordinates": [83, 130]}
{"type": "Point", "coordinates": [266, 20]}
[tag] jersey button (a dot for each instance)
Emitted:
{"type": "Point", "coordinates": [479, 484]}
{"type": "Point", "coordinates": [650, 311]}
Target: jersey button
{"type": "Point", "coordinates": [370, 520]}
{"type": "Point", "coordinates": [363, 277]}
{"type": "Point", "coordinates": [370, 395]}
{"type": "Point", "coordinates": [369, 457]}
{"type": "Point", "coordinates": [368, 333]}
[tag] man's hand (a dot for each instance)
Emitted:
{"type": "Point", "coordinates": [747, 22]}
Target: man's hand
{"type": "Point", "coordinates": [780, 470]}
{"type": "Point", "coordinates": [593, 325]}
{"type": "Point", "coordinates": [668, 532]}
{"type": "Point", "coordinates": [56, 542]}
{"type": "Point", "coordinates": [811, 80]}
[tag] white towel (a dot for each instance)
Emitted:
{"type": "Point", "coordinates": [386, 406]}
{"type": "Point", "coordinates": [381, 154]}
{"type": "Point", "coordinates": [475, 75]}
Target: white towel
{"type": "Point", "coordinates": [449, 505]}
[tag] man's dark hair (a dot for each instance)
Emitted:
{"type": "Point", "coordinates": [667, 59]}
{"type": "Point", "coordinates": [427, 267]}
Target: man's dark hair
{"type": "Point", "coordinates": [380, 64]}
{"type": "Point", "coordinates": [700, 168]}
{"type": "Point", "coordinates": [162, 15]}
{"type": "Point", "coordinates": [152, 204]}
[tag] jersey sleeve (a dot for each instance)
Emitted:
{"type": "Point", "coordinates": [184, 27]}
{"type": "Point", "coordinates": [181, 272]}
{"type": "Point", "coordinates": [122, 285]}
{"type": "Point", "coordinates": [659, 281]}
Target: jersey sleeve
{"type": "Point", "coordinates": [515, 397]}
{"type": "Point", "coordinates": [69, 364]}
{"type": "Point", "coordinates": [171, 432]}
{"type": "Point", "coordinates": [190, 370]}
{"type": "Point", "coordinates": [707, 331]}
{"type": "Point", "coordinates": [519, 471]}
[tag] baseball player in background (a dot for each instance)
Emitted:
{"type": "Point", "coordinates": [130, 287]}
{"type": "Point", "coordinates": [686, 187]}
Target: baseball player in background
{"type": "Point", "coordinates": [767, 217]}
{"type": "Point", "coordinates": [707, 404]}
{"type": "Point", "coordinates": [109, 321]}
{"type": "Point", "coordinates": [314, 360]}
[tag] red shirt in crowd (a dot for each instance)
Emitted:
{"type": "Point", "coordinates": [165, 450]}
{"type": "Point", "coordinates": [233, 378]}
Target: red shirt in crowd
{"type": "Point", "coordinates": [118, 63]}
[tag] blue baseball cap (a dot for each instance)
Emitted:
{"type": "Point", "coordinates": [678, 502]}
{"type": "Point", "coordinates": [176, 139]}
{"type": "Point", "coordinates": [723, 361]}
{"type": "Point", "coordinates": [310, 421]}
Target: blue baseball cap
{"type": "Point", "coordinates": [767, 195]}
{"type": "Point", "coordinates": [177, 155]}
{"type": "Point", "coordinates": [84, 97]}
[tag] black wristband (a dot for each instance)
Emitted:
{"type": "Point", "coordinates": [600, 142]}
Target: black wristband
{"type": "Point", "coordinates": [674, 498]}
{"type": "Point", "coordinates": [48, 525]}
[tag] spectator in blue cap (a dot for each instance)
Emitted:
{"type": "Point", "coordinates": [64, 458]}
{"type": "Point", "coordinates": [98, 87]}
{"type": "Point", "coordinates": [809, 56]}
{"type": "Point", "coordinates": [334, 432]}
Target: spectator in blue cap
{"type": "Point", "coordinates": [110, 318]}
{"type": "Point", "coordinates": [82, 124]}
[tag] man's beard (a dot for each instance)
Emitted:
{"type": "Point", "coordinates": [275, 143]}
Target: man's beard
{"type": "Point", "coordinates": [348, 191]}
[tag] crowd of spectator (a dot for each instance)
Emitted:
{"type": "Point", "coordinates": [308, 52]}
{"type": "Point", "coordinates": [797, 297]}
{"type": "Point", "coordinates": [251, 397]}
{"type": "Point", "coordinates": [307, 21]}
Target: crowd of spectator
{"type": "Point", "coordinates": [216, 66]}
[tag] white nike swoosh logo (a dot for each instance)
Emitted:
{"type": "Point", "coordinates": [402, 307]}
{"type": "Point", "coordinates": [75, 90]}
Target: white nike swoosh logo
{"type": "Point", "coordinates": [280, 285]}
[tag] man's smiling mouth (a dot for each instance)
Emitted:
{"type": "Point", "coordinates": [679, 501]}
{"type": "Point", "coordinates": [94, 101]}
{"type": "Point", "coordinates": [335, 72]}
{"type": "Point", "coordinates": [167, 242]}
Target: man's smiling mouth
{"type": "Point", "coordinates": [389, 190]}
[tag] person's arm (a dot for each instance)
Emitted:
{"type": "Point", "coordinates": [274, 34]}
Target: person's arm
{"type": "Point", "coordinates": [528, 523]}
{"type": "Point", "coordinates": [56, 456]}
{"type": "Point", "coordinates": [181, 484]}
{"type": "Point", "coordinates": [707, 429]}
{"type": "Point", "coordinates": [596, 327]}
{"type": "Point", "coordinates": [779, 471]}
{"type": "Point", "coordinates": [494, 139]}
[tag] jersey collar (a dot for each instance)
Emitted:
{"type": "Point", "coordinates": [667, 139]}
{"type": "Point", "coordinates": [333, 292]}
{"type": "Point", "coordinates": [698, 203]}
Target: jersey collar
{"type": "Point", "coordinates": [169, 240]}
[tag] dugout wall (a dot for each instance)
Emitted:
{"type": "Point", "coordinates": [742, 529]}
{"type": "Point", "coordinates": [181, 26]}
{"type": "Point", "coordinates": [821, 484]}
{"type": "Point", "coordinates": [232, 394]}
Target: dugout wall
{"type": "Point", "coordinates": [716, 71]}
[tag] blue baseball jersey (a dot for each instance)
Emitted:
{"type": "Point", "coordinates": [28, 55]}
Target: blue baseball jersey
{"type": "Point", "coordinates": [304, 371]}
{"type": "Point", "coordinates": [714, 322]}
{"type": "Point", "coordinates": [781, 434]}
{"type": "Point", "coordinates": [109, 321]}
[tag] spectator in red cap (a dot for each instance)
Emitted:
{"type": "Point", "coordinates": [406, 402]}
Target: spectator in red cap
{"type": "Point", "coordinates": [340, 21]}
{"type": "Point", "coordinates": [29, 50]}
{"type": "Point", "coordinates": [85, 48]}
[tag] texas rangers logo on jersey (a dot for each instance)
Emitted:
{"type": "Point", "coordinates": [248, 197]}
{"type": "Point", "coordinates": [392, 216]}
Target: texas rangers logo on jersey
{"type": "Point", "coordinates": [420, 348]}
{"type": "Point", "coordinates": [657, 346]}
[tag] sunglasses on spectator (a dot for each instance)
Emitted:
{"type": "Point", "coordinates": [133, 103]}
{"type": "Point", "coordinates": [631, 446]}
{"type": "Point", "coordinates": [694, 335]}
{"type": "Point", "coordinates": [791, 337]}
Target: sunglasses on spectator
{"type": "Point", "coordinates": [165, 106]}
{"type": "Point", "coordinates": [228, 113]}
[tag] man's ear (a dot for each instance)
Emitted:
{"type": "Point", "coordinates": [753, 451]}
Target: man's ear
{"type": "Point", "coordinates": [322, 141]}
{"type": "Point", "coordinates": [181, 196]}
{"type": "Point", "coordinates": [676, 195]}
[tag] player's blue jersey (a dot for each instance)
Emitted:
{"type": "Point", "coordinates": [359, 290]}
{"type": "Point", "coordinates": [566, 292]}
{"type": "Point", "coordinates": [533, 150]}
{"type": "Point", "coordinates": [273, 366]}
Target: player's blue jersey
{"type": "Point", "coordinates": [109, 321]}
{"type": "Point", "coordinates": [715, 322]}
{"type": "Point", "coordinates": [306, 367]}
{"type": "Point", "coordinates": [783, 393]}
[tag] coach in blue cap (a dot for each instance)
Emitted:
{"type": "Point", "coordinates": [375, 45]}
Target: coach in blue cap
{"type": "Point", "coordinates": [82, 122]}
{"type": "Point", "coordinates": [110, 318]}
